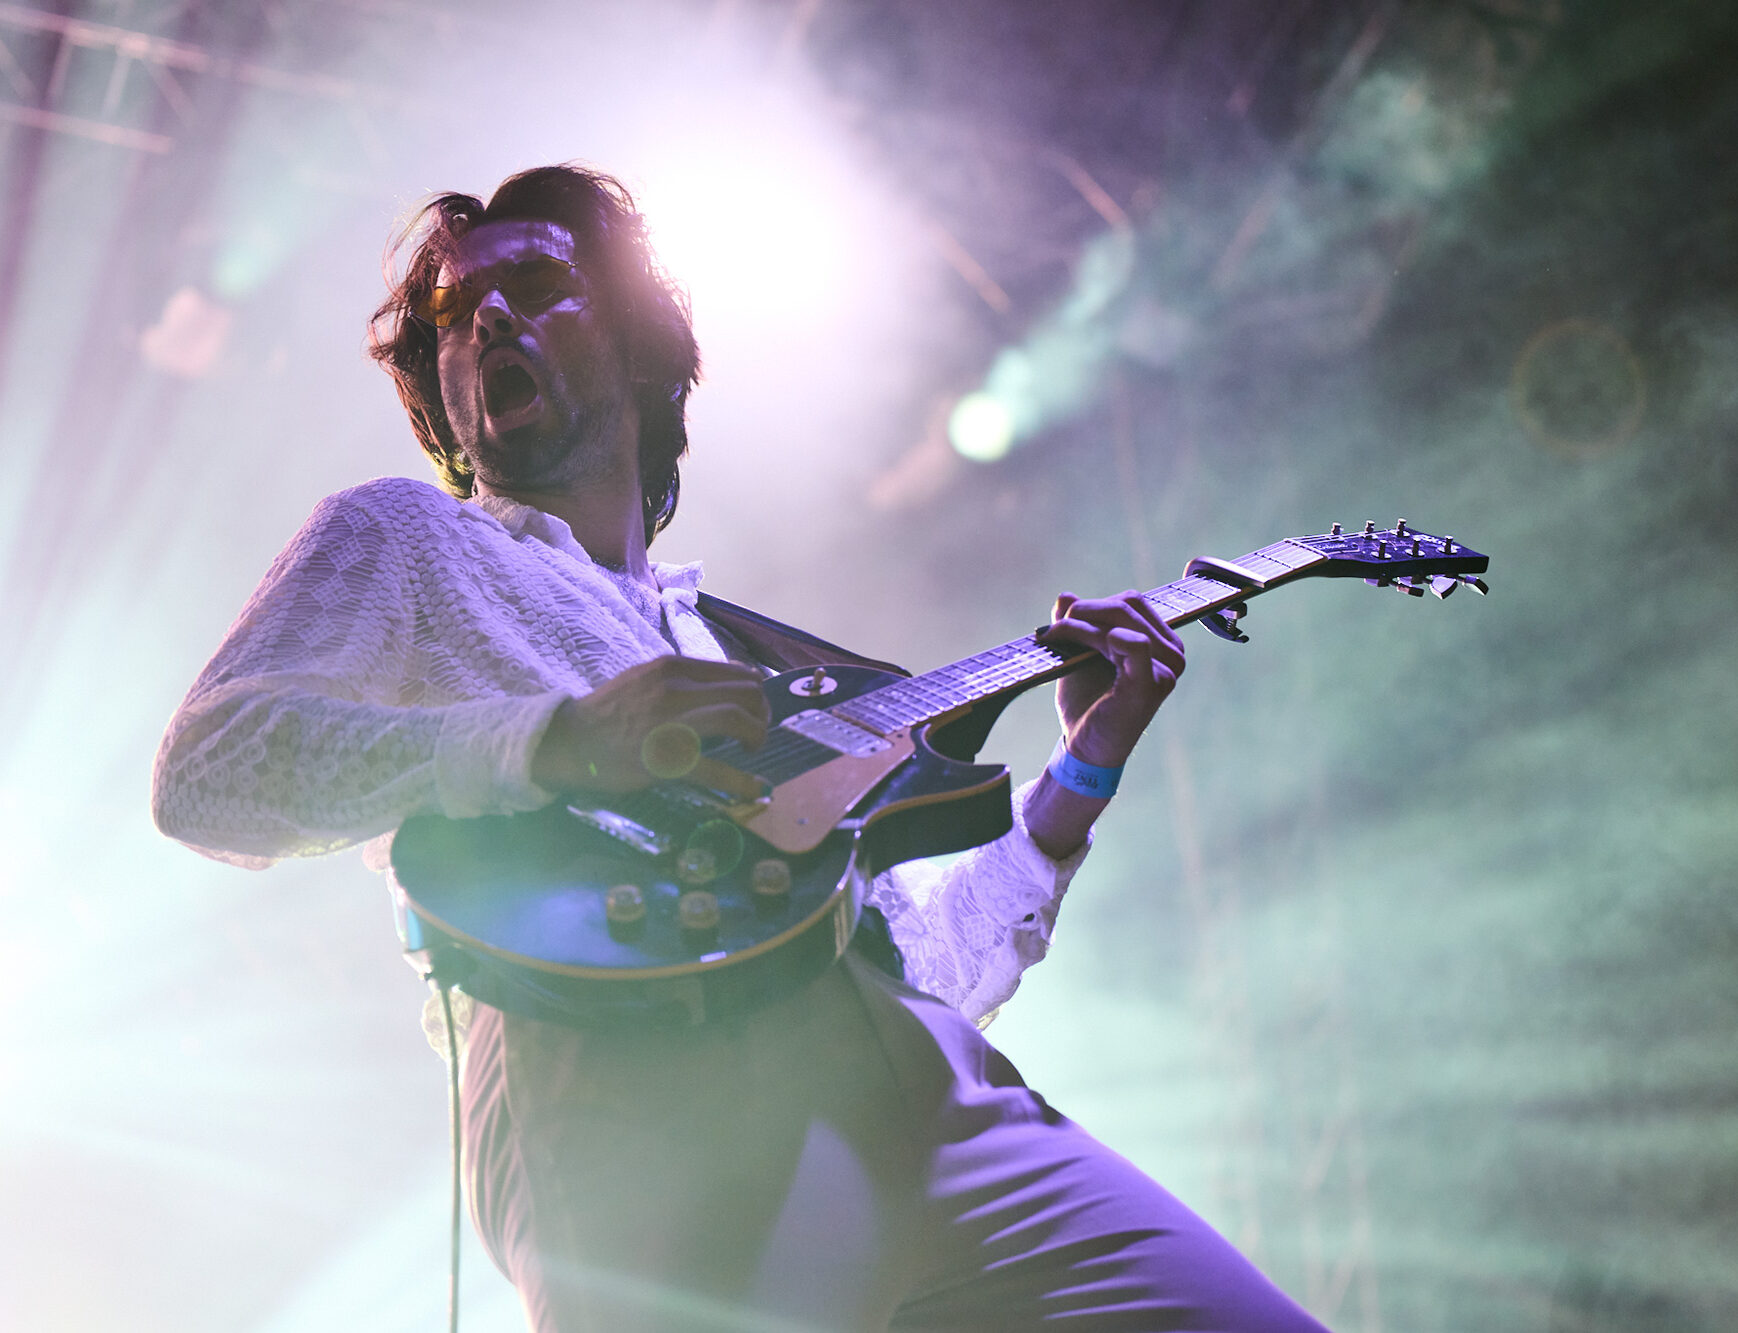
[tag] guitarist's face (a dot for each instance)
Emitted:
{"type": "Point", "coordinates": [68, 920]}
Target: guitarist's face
{"type": "Point", "coordinates": [532, 383]}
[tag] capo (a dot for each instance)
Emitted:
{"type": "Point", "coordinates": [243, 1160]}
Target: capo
{"type": "Point", "coordinates": [1226, 572]}
{"type": "Point", "coordinates": [1223, 622]}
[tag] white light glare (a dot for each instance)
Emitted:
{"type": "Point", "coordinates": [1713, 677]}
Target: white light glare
{"type": "Point", "coordinates": [981, 428]}
{"type": "Point", "coordinates": [756, 233]}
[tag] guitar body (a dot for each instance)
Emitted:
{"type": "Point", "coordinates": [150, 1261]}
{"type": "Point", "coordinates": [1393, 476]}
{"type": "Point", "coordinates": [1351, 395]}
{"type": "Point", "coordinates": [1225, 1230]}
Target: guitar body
{"type": "Point", "coordinates": [516, 908]}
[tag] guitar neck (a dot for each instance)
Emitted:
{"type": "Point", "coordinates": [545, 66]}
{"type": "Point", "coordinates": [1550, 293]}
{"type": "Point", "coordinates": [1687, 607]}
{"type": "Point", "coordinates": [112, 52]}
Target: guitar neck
{"type": "Point", "coordinates": [1025, 662]}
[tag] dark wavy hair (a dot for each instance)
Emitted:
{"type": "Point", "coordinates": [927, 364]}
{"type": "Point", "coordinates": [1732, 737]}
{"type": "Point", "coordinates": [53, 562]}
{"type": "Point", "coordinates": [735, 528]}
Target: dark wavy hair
{"type": "Point", "coordinates": [646, 313]}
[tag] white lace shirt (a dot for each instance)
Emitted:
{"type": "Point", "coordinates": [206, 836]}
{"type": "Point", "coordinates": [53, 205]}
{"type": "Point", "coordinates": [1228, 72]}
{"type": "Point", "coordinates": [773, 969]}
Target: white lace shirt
{"type": "Point", "coordinates": [405, 653]}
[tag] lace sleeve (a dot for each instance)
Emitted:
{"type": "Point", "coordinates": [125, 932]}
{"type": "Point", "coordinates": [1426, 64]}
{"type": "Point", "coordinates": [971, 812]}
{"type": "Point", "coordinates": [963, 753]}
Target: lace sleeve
{"type": "Point", "coordinates": [303, 734]}
{"type": "Point", "coordinates": [968, 929]}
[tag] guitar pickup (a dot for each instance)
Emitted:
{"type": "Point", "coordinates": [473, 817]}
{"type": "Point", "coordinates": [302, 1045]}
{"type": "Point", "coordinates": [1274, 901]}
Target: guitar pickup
{"type": "Point", "coordinates": [835, 733]}
{"type": "Point", "coordinates": [623, 830]}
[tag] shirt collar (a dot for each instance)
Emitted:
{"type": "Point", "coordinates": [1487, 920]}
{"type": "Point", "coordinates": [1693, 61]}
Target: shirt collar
{"type": "Point", "coordinates": [523, 520]}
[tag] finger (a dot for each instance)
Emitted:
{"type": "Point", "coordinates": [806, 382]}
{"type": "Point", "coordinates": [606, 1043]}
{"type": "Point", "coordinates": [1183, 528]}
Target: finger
{"type": "Point", "coordinates": [728, 719]}
{"type": "Point", "coordinates": [1134, 667]}
{"type": "Point", "coordinates": [704, 670]}
{"type": "Point", "coordinates": [681, 698]}
{"type": "Point", "coordinates": [1101, 616]}
{"type": "Point", "coordinates": [1074, 629]}
{"type": "Point", "coordinates": [1126, 642]}
{"type": "Point", "coordinates": [1128, 615]}
{"type": "Point", "coordinates": [727, 781]}
{"type": "Point", "coordinates": [1147, 665]}
{"type": "Point", "coordinates": [674, 750]}
{"type": "Point", "coordinates": [670, 750]}
{"type": "Point", "coordinates": [1138, 659]}
{"type": "Point", "coordinates": [1173, 655]}
{"type": "Point", "coordinates": [1065, 635]}
{"type": "Point", "coordinates": [1164, 631]}
{"type": "Point", "coordinates": [1166, 652]}
{"type": "Point", "coordinates": [1128, 609]}
{"type": "Point", "coordinates": [1149, 614]}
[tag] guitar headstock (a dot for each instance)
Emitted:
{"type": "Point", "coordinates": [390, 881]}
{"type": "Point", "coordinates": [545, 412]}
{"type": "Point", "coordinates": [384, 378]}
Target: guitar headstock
{"type": "Point", "coordinates": [1401, 556]}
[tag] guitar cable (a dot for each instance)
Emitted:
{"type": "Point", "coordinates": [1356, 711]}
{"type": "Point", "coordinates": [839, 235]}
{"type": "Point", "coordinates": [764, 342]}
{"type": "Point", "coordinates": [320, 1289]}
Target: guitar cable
{"type": "Point", "coordinates": [446, 995]}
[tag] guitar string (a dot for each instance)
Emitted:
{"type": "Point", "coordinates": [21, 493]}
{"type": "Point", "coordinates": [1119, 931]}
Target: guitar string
{"type": "Point", "coordinates": [915, 699]}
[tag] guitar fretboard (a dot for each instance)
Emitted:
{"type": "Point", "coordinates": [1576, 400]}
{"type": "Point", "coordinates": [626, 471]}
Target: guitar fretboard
{"type": "Point", "coordinates": [1025, 662]}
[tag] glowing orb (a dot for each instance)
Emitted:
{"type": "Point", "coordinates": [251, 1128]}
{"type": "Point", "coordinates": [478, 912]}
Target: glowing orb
{"type": "Point", "coordinates": [981, 428]}
{"type": "Point", "coordinates": [754, 237]}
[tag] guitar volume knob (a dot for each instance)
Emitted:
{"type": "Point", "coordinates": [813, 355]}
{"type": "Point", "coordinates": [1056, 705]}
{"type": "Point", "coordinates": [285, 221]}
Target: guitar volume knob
{"type": "Point", "coordinates": [772, 878]}
{"type": "Point", "coordinates": [625, 903]}
{"type": "Point", "coordinates": [697, 865]}
{"type": "Point", "coordinates": [697, 912]}
{"type": "Point", "coordinates": [624, 909]}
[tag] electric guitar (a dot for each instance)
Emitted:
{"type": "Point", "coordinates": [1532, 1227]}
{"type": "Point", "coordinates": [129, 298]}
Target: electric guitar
{"type": "Point", "coordinates": [676, 904]}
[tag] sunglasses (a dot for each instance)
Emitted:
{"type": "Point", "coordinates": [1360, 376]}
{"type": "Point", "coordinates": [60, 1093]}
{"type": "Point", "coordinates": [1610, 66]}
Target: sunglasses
{"type": "Point", "coordinates": [527, 287]}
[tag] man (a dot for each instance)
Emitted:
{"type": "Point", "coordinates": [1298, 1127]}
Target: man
{"type": "Point", "coordinates": [848, 1155]}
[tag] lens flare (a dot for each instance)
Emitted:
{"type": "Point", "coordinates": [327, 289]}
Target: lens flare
{"type": "Point", "coordinates": [981, 428]}
{"type": "Point", "coordinates": [671, 750]}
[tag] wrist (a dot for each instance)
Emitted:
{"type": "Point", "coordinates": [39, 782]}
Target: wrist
{"type": "Point", "coordinates": [554, 765]}
{"type": "Point", "coordinates": [1096, 741]}
{"type": "Point", "coordinates": [1075, 774]}
{"type": "Point", "coordinates": [1057, 819]}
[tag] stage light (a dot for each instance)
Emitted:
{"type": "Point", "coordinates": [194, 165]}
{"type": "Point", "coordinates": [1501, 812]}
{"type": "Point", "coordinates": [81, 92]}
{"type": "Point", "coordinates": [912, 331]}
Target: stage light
{"type": "Point", "coordinates": [981, 428]}
{"type": "Point", "coordinates": [753, 226]}
{"type": "Point", "coordinates": [1058, 367]}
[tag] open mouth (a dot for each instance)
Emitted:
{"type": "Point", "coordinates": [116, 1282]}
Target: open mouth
{"type": "Point", "coordinates": [507, 389]}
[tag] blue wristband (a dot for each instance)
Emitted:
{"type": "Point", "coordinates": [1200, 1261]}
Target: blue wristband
{"type": "Point", "coordinates": [1085, 779]}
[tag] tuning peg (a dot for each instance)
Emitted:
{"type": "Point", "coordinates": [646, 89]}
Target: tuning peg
{"type": "Point", "coordinates": [1411, 587]}
{"type": "Point", "coordinates": [1443, 584]}
{"type": "Point", "coordinates": [1477, 584]}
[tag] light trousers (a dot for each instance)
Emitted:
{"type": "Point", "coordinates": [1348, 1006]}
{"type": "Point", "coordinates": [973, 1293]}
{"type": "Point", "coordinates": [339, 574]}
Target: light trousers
{"type": "Point", "coordinates": [854, 1158]}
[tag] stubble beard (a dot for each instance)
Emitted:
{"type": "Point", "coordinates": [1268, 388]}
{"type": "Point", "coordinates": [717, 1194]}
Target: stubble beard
{"type": "Point", "coordinates": [580, 452]}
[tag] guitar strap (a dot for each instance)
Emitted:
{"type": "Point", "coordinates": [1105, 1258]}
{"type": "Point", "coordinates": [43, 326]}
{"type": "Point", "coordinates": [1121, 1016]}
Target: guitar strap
{"type": "Point", "coordinates": [782, 647]}
{"type": "Point", "coordinates": [786, 648]}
